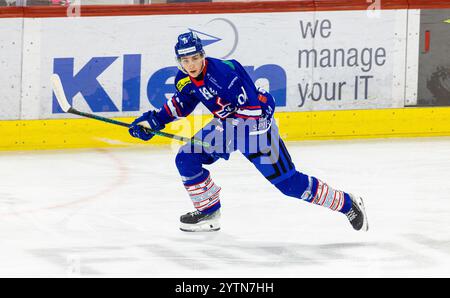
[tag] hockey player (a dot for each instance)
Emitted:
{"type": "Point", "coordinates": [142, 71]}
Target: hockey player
{"type": "Point", "coordinates": [243, 121]}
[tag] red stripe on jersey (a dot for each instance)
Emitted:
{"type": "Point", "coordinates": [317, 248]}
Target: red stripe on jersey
{"type": "Point", "coordinates": [168, 111]}
{"type": "Point", "coordinates": [247, 117]}
{"type": "Point", "coordinates": [250, 107]}
{"type": "Point", "coordinates": [174, 102]}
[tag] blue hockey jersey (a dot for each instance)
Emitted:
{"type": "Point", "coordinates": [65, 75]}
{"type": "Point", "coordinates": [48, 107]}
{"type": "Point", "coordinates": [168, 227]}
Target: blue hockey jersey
{"type": "Point", "coordinates": [225, 89]}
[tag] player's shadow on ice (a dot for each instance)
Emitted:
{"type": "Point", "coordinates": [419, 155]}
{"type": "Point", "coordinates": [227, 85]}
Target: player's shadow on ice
{"type": "Point", "coordinates": [206, 251]}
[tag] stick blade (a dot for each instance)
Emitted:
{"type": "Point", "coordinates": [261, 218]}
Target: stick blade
{"type": "Point", "coordinates": [59, 92]}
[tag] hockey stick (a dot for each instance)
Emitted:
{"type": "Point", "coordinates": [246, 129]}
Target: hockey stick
{"type": "Point", "coordinates": [66, 107]}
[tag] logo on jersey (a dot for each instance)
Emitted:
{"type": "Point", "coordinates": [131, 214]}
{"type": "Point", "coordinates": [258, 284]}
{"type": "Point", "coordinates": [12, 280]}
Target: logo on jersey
{"type": "Point", "coordinates": [213, 80]}
{"type": "Point", "coordinates": [225, 110]}
{"type": "Point", "coordinates": [182, 83]}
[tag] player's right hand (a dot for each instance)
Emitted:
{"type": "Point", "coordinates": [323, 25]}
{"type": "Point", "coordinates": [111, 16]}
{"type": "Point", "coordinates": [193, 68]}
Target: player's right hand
{"type": "Point", "coordinates": [148, 119]}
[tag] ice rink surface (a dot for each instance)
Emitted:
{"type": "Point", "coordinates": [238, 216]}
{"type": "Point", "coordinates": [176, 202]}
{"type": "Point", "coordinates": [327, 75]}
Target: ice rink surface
{"type": "Point", "coordinates": [115, 212]}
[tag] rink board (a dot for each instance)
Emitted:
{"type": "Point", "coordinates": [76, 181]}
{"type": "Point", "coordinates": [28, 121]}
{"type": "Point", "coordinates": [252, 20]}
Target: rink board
{"type": "Point", "coordinates": [10, 68]}
{"type": "Point", "coordinates": [294, 126]}
{"type": "Point", "coordinates": [331, 79]}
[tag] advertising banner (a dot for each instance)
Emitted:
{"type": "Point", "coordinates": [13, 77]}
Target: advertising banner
{"type": "Point", "coordinates": [122, 66]}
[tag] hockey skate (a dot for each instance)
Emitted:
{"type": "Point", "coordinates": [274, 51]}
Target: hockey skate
{"type": "Point", "coordinates": [200, 222]}
{"type": "Point", "coordinates": [357, 214]}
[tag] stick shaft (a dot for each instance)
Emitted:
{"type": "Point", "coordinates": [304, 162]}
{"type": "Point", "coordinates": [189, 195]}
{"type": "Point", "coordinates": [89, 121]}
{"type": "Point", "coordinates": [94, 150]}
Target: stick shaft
{"type": "Point", "coordinates": [64, 103]}
{"type": "Point", "coordinates": [155, 132]}
{"type": "Point", "coordinates": [96, 117]}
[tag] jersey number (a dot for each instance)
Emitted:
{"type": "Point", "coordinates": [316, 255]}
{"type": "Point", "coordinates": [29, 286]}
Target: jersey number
{"type": "Point", "coordinates": [206, 94]}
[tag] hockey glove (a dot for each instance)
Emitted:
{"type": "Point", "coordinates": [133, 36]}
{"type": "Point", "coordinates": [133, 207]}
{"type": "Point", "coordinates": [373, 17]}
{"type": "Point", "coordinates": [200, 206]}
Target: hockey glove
{"type": "Point", "coordinates": [148, 119]}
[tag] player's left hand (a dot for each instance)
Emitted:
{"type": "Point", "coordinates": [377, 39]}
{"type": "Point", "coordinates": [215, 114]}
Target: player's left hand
{"type": "Point", "coordinates": [148, 119]}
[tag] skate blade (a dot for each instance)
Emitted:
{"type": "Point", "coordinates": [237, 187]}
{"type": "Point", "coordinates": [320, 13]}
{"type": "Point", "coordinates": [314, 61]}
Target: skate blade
{"type": "Point", "coordinates": [365, 226]}
{"type": "Point", "coordinates": [204, 227]}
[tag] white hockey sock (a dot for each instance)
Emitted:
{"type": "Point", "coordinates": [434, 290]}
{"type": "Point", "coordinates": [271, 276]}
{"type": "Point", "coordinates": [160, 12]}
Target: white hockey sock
{"type": "Point", "coordinates": [204, 194]}
{"type": "Point", "coordinates": [328, 197]}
